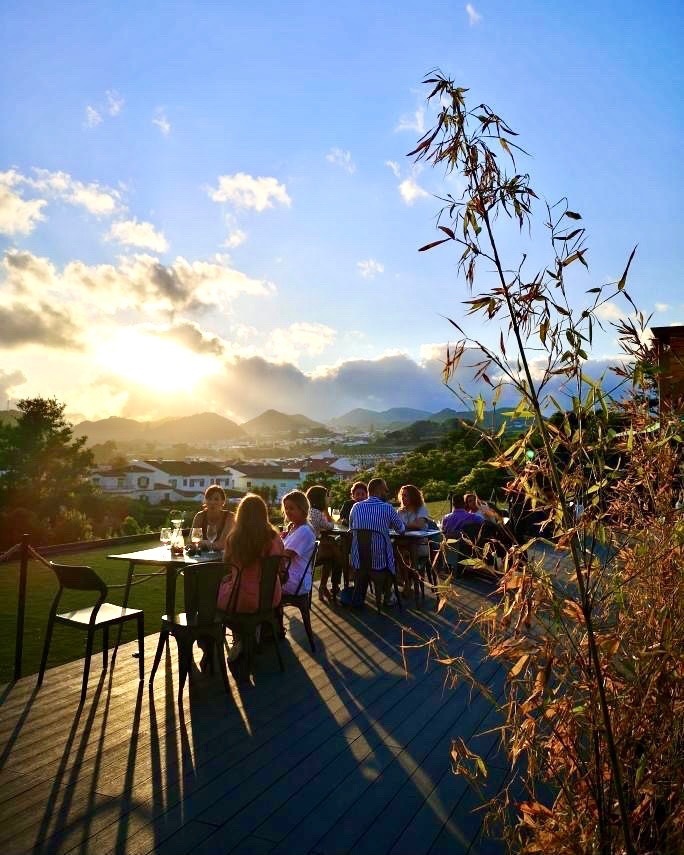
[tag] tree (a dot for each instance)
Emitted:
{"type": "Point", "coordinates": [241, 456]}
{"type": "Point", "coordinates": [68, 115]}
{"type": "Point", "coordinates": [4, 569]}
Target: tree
{"type": "Point", "coordinates": [43, 467]}
{"type": "Point", "coordinates": [593, 706]}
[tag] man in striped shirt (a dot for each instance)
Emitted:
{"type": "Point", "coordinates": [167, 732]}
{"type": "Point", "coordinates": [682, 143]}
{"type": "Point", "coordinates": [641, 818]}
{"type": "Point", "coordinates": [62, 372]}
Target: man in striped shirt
{"type": "Point", "coordinates": [377, 514]}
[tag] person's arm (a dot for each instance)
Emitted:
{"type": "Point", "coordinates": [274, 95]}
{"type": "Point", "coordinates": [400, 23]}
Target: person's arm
{"type": "Point", "coordinates": [396, 522]}
{"type": "Point", "coordinates": [326, 522]}
{"type": "Point", "coordinates": [421, 522]}
{"type": "Point", "coordinates": [220, 541]}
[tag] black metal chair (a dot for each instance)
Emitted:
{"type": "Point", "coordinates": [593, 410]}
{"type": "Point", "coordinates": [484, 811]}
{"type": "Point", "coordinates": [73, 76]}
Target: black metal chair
{"type": "Point", "coordinates": [244, 624]}
{"type": "Point", "coordinates": [89, 619]}
{"type": "Point", "coordinates": [366, 573]}
{"type": "Point", "coordinates": [303, 601]}
{"type": "Point", "coordinates": [201, 621]}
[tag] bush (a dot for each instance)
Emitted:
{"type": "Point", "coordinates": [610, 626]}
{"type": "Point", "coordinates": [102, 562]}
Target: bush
{"type": "Point", "coordinates": [71, 525]}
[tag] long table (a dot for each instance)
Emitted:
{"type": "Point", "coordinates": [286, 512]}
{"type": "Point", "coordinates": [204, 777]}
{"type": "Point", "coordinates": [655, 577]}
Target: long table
{"type": "Point", "coordinates": [160, 556]}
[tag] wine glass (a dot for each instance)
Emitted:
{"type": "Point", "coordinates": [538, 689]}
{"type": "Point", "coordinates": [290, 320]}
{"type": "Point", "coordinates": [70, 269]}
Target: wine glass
{"type": "Point", "coordinates": [212, 534]}
{"type": "Point", "coordinates": [195, 536]}
{"type": "Point", "coordinates": [176, 518]}
{"type": "Point", "coordinates": [335, 514]}
{"type": "Point", "coordinates": [165, 536]}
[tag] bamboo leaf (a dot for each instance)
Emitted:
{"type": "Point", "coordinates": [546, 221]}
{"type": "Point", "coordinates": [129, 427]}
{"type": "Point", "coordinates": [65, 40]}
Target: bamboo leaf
{"type": "Point", "coordinates": [623, 279]}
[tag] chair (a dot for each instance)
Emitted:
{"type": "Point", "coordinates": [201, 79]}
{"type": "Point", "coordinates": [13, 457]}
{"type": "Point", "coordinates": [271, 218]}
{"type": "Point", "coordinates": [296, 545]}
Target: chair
{"type": "Point", "coordinates": [303, 601]}
{"type": "Point", "coordinates": [244, 624]}
{"type": "Point", "coordinates": [202, 620]}
{"type": "Point", "coordinates": [100, 616]}
{"type": "Point", "coordinates": [366, 573]}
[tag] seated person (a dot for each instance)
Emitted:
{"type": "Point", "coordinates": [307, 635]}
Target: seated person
{"type": "Point", "coordinates": [416, 517]}
{"type": "Point", "coordinates": [376, 514]}
{"type": "Point", "coordinates": [213, 514]}
{"type": "Point", "coordinates": [299, 541]}
{"type": "Point", "coordinates": [475, 505]}
{"type": "Point", "coordinates": [459, 517]}
{"type": "Point", "coordinates": [359, 493]}
{"type": "Point", "coordinates": [320, 521]}
{"type": "Point", "coordinates": [251, 538]}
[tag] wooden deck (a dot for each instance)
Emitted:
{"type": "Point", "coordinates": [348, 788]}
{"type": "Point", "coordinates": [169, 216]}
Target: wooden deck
{"type": "Point", "coordinates": [344, 752]}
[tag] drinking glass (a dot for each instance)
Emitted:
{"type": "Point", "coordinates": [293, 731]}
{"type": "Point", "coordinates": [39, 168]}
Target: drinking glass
{"type": "Point", "coordinates": [335, 514]}
{"type": "Point", "coordinates": [176, 518]}
{"type": "Point", "coordinates": [195, 536]}
{"type": "Point", "coordinates": [165, 536]}
{"type": "Point", "coordinates": [212, 534]}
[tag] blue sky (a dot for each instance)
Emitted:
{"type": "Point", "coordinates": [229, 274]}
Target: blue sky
{"type": "Point", "coordinates": [215, 199]}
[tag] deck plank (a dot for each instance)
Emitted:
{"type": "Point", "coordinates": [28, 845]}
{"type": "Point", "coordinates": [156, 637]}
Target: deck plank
{"type": "Point", "coordinates": [346, 751]}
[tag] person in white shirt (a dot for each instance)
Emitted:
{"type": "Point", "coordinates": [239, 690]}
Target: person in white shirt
{"type": "Point", "coordinates": [299, 542]}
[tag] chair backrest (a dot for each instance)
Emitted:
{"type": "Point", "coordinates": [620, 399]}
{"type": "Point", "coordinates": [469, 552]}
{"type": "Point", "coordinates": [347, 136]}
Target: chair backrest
{"type": "Point", "coordinates": [270, 565]}
{"type": "Point", "coordinates": [75, 577]}
{"type": "Point", "coordinates": [365, 537]}
{"type": "Point", "coordinates": [201, 589]}
{"type": "Point", "coordinates": [309, 569]}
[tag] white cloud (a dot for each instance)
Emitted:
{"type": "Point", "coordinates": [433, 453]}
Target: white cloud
{"type": "Point", "coordinates": [137, 282]}
{"type": "Point", "coordinates": [115, 102]}
{"type": "Point", "coordinates": [474, 16]}
{"type": "Point", "coordinates": [92, 117]}
{"type": "Point", "coordinates": [411, 191]}
{"type": "Point", "coordinates": [610, 312]}
{"type": "Point", "coordinates": [235, 238]}
{"type": "Point", "coordinates": [8, 383]}
{"type": "Point", "coordinates": [94, 197]}
{"type": "Point", "coordinates": [341, 157]}
{"type": "Point", "coordinates": [19, 216]}
{"type": "Point", "coordinates": [414, 122]}
{"type": "Point", "coordinates": [662, 307]}
{"type": "Point", "coordinates": [394, 166]}
{"type": "Point", "coordinates": [246, 191]}
{"type": "Point", "coordinates": [141, 234]}
{"type": "Point", "coordinates": [285, 344]}
{"type": "Point", "coordinates": [370, 268]}
{"type": "Point", "coordinates": [161, 121]}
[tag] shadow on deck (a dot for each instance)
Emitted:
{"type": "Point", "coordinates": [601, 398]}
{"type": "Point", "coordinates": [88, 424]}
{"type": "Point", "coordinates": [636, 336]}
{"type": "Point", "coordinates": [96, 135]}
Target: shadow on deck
{"type": "Point", "coordinates": [344, 752]}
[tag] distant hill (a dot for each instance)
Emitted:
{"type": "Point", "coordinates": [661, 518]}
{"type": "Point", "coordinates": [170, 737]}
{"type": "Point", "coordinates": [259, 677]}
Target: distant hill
{"type": "Point", "coordinates": [273, 423]}
{"type": "Point", "coordinates": [362, 419]}
{"type": "Point", "coordinates": [202, 427]}
{"type": "Point", "coordinates": [447, 414]}
{"type": "Point", "coordinates": [114, 429]}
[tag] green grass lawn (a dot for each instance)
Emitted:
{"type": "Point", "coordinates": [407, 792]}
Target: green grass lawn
{"type": "Point", "coordinates": [67, 643]}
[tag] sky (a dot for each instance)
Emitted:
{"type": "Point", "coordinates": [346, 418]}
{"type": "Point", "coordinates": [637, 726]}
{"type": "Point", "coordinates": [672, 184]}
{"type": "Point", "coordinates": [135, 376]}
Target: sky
{"type": "Point", "coordinates": [208, 205]}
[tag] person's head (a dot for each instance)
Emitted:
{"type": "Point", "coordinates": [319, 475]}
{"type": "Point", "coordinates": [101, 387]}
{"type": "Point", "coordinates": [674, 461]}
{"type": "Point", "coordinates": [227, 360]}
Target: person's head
{"type": "Point", "coordinates": [410, 497]}
{"type": "Point", "coordinates": [214, 497]}
{"type": "Point", "coordinates": [251, 531]}
{"type": "Point", "coordinates": [457, 502]}
{"type": "Point", "coordinates": [470, 502]}
{"type": "Point", "coordinates": [318, 497]}
{"type": "Point", "coordinates": [359, 491]}
{"type": "Point", "coordinates": [295, 507]}
{"type": "Point", "coordinates": [378, 488]}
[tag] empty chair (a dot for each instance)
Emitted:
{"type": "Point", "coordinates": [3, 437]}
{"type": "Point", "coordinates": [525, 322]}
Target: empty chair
{"type": "Point", "coordinates": [102, 615]}
{"type": "Point", "coordinates": [201, 620]}
{"type": "Point", "coordinates": [303, 601]}
{"type": "Point", "coordinates": [244, 624]}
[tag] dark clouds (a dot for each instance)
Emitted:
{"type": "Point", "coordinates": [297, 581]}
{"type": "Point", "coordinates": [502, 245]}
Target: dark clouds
{"type": "Point", "coordinates": [43, 325]}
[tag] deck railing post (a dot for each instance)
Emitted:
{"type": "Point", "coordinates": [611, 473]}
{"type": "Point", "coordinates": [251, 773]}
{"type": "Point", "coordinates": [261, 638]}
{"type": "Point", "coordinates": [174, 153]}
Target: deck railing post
{"type": "Point", "coordinates": [21, 606]}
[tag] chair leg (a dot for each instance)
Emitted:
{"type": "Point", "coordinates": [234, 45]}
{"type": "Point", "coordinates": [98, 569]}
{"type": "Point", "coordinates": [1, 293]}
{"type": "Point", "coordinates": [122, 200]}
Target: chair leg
{"type": "Point", "coordinates": [184, 657]}
{"type": "Point", "coordinates": [86, 667]}
{"type": "Point", "coordinates": [46, 648]}
{"type": "Point", "coordinates": [306, 620]}
{"type": "Point", "coordinates": [276, 636]}
{"type": "Point", "coordinates": [378, 586]}
{"type": "Point", "coordinates": [140, 620]}
{"type": "Point", "coordinates": [163, 638]}
{"type": "Point", "coordinates": [105, 646]}
{"type": "Point", "coordinates": [396, 592]}
{"type": "Point", "coordinates": [223, 665]}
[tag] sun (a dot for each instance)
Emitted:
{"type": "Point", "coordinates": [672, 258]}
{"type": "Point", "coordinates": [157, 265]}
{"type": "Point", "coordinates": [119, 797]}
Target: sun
{"type": "Point", "coordinates": [154, 362]}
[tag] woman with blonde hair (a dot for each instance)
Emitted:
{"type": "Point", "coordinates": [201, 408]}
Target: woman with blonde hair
{"type": "Point", "coordinates": [299, 541]}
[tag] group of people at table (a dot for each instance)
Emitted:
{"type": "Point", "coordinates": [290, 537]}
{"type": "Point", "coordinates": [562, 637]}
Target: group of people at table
{"type": "Point", "coordinates": [247, 536]}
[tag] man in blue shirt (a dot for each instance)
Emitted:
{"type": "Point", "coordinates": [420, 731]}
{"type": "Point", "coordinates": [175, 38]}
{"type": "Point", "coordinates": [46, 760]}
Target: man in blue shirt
{"type": "Point", "coordinates": [459, 517]}
{"type": "Point", "coordinates": [376, 514]}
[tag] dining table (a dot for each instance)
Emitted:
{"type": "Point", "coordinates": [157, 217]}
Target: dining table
{"type": "Point", "coordinates": [172, 565]}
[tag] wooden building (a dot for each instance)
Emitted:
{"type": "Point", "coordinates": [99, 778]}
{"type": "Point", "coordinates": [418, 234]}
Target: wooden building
{"type": "Point", "coordinates": [669, 345]}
